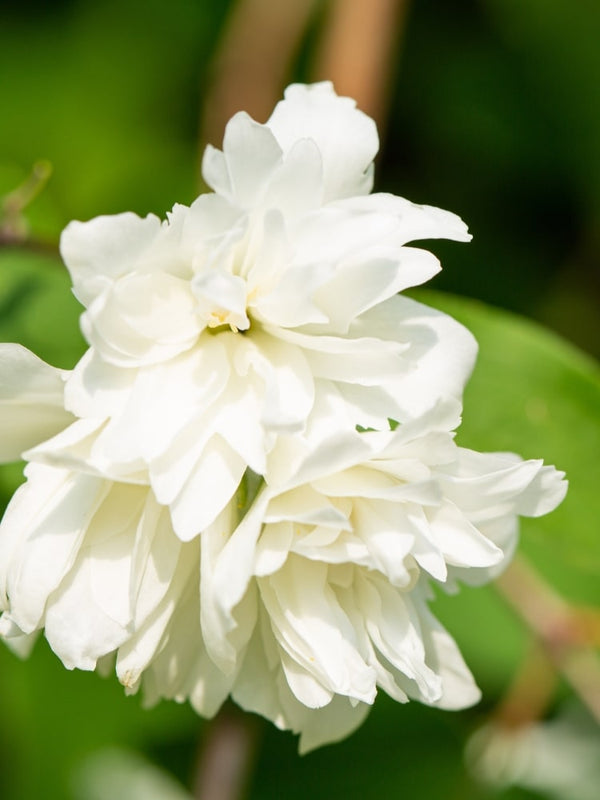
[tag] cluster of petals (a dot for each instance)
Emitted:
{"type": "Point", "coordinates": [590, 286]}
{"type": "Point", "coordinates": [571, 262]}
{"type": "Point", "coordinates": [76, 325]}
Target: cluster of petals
{"type": "Point", "coordinates": [216, 331]}
{"type": "Point", "coordinates": [215, 502]}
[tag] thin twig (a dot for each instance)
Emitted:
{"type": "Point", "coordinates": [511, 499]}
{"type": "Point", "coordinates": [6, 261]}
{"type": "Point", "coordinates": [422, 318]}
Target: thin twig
{"type": "Point", "coordinates": [13, 227]}
{"type": "Point", "coordinates": [227, 754]}
{"type": "Point", "coordinates": [531, 691]}
{"type": "Point", "coordinates": [358, 48]}
{"type": "Point", "coordinates": [259, 43]}
{"type": "Point", "coordinates": [14, 230]}
{"type": "Point", "coordinates": [564, 633]}
{"type": "Point", "coordinates": [29, 244]}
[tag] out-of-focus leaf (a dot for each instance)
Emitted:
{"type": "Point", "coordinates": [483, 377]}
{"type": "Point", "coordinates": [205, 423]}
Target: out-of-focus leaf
{"type": "Point", "coordinates": [37, 308]}
{"type": "Point", "coordinates": [112, 773]}
{"type": "Point", "coordinates": [53, 719]}
{"type": "Point", "coordinates": [558, 759]}
{"type": "Point", "coordinates": [109, 94]}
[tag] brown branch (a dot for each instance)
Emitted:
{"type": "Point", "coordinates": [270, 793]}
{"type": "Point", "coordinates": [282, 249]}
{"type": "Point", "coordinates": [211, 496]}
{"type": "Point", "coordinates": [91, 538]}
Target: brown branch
{"type": "Point", "coordinates": [14, 230]}
{"type": "Point", "coordinates": [358, 49]}
{"type": "Point", "coordinates": [531, 692]}
{"type": "Point", "coordinates": [9, 241]}
{"type": "Point", "coordinates": [564, 632]}
{"type": "Point", "coordinates": [253, 61]}
{"type": "Point", "coordinates": [225, 762]}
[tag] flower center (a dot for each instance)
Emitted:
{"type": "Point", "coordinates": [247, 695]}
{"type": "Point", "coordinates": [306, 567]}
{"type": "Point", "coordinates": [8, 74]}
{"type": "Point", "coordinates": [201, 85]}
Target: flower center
{"type": "Point", "coordinates": [221, 299]}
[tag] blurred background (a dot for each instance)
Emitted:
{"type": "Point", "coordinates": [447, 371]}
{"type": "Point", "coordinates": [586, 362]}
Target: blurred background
{"type": "Point", "coordinates": [490, 108]}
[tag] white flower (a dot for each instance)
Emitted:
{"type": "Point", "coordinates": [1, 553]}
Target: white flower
{"type": "Point", "coordinates": [205, 513]}
{"type": "Point", "coordinates": [214, 332]}
{"type": "Point", "coordinates": [301, 610]}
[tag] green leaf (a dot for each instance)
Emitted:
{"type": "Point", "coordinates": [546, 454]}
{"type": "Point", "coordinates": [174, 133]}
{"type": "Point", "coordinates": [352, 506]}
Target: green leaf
{"type": "Point", "coordinates": [55, 718]}
{"type": "Point", "coordinates": [37, 308]}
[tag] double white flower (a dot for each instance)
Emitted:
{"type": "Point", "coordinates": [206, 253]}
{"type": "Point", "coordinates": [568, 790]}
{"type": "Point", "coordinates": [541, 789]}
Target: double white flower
{"type": "Point", "coordinates": [234, 349]}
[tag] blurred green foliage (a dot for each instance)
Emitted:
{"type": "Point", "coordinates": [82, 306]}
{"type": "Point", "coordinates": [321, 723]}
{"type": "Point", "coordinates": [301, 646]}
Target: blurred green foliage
{"type": "Point", "coordinates": [494, 114]}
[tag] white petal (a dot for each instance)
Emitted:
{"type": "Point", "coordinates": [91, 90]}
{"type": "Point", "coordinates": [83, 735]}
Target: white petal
{"type": "Point", "coordinates": [221, 299]}
{"type": "Point", "coordinates": [180, 650]}
{"type": "Point", "coordinates": [364, 360]}
{"type": "Point", "coordinates": [79, 447]}
{"type": "Point", "coordinates": [142, 319]}
{"type": "Point", "coordinates": [262, 688]}
{"type": "Point", "coordinates": [282, 286]}
{"type": "Point", "coordinates": [154, 560]}
{"type": "Point", "coordinates": [289, 384]}
{"type": "Point", "coordinates": [214, 171]}
{"type": "Point", "coordinates": [544, 493]}
{"type": "Point", "coordinates": [212, 483]}
{"type": "Point", "coordinates": [312, 628]}
{"type": "Point", "coordinates": [207, 687]}
{"type": "Point", "coordinates": [259, 685]}
{"type": "Point", "coordinates": [346, 138]}
{"type": "Point", "coordinates": [337, 232]}
{"type": "Point", "coordinates": [250, 154]}
{"type": "Point", "coordinates": [491, 485]}
{"type": "Point", "coordinates": [291, 465]}
{"type": "Point", "coordinates": [437, 363]}
{"type": "Point", "coordinates": [105, 248]}
{"type": "Point", "coordinates": [443, 656]}
{"type": "Point", "coordinates": [426, 551]}
{"type": "Point", "coordinates": [365, 246]}
{"type": "Point", "coordinates": [153, 628]}
{"type": "Point", "coordinates": [390, 546]}
{"type": "Point", "coordinates": [31, 401]}
{"type": "Point", "coordinates": [273, 547]}
{"type": "Point", "coordinates": [306, 506]}
{"type": "Point", "coordinates": [42, 532]}
{"type": "Point", "coordinates": [264, 259]}
{"type": "Point", "coordinates": [304, 685]}
{"type": "Point", "coordinates": [413, 221]}
{"type": "Point", "coordinates": [96, 388]}
{"type": "Point", "coordinates": [460, 542]}
{"type": "Point", "coordinates": [226, 570]}
{"type": "Point", "coordinates": [368, 279]}
{"type": "Point", "coordinates": [19, 642]}
{"type": "Point", "coordinates": [394, 631]}
{"type": "Point", "coordinates": [211, 232]}
{"type": "Point", "coordinates": [297, 185]}
{"type": "Point", "coordinates": [162, 401]}
{"type": "Point", "coordinates": [77, 628]}
{"type": "Point", "coordinates": [334, 722]}
{"type": "Point", "coordinates": [169, 471]}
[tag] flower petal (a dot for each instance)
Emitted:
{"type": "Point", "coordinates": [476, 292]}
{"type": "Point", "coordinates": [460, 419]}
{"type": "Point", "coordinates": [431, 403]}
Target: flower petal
{"type": "Point", "coordinates": [42, 532]}
{"type": "Point", "coordinates": [105, 248]}
{"type": "Point", "coordinates": [31, 401]}
{"type": "Point", "coordinates": [250, 154]}
{"type": "Point", "coordinates": [142, 319]}
{"type": "Point", "coordinates": [346, 138]}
